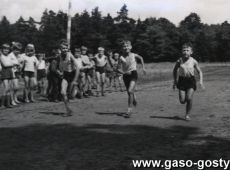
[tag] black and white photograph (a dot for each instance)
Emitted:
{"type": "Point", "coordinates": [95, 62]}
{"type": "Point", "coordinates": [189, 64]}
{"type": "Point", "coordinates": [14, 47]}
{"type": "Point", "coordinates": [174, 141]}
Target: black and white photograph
{"type": "Point", "coordinates": [114, 84]}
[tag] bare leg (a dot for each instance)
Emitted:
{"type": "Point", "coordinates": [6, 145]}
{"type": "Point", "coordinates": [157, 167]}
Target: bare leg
{"type": "Point", "coordinates": [189, 97]}
{"type": "Point", "coordinates": [32, 84]}
{"type": "Point", "coordinates": [182, 96]}
{"type": "Point", "coordinates": [131, 97]}
{"type": "Point", "coordinates": [102, 84]}
{"type": "Point", "coordinates": [98, 79]}
{"type": "Point", "coordinates": [26, 80]}
{"type": "Point", "coordinates": [64, 86]}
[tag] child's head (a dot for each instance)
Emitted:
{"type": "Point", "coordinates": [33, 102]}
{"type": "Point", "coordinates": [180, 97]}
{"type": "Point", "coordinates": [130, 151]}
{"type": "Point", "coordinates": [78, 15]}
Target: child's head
{"type": "Point", "coordinates": [90, 55]}
{"type": "Point", "coordinates": [83, 50]}
{"type": "Point", "coordinates": [64, 47]}
{"type": "Point", "coordinates": [30, 49]}
{"type": "Point", "coordinates": [16, 48]}
{"type": "Point", "coordinates": [5, 49]}
{"type": "Point", "coordinates": [187, 50]}
{"type": "Point", "coordinates": [116, 56]}
{"type": "Point", "coordinates": [77, 52]}
{"type": "Point", "coordinates": [101, 51]}
{"type": "Point", "coordinates": [41, 56]}
{"type": "Point", "coordinates": [127, 46]}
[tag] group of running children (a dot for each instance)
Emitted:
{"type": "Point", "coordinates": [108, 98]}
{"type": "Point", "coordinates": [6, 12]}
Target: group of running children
{"type": "Point", "coordinates": [70, 75]}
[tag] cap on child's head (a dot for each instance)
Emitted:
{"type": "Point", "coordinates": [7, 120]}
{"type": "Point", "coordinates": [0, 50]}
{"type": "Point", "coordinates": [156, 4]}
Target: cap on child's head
{"type": "Point", "coordinates": [30, 48]}
{"type": "Point", "coordinates": [5, 45]}
{"type": "Point", "coordinates": [84, 48]}
{"type": "Point", "coordinates": [101, 49]}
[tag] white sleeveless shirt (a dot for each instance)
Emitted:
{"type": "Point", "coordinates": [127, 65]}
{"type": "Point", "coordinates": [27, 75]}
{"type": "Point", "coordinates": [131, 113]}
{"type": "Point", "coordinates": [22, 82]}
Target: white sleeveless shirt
{"type": "Point", "coordinates": [100, 61]}
{"type": "Point", "coordinates": [186, 68]}
{"type": "Point", "coordinates": [129, 63]}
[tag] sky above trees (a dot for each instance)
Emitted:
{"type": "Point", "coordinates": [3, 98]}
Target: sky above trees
{"type": "Point", "coordinates": [211, 11]}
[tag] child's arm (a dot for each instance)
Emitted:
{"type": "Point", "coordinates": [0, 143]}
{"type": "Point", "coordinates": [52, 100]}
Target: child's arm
{"type": "Point", "coordinates": [177, 65]}
{"type": "Point", "coordinates": [197, 67]}
{"type": "Point", "coordinates": [142, 62]}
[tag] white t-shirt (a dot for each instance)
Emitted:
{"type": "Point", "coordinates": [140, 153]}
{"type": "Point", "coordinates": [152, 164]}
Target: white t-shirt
{"type": "Point", "coordinates": [129, 63]}
{"type": "Point", "coordinates": [186, 68]}
{"type": "Point", "coordinates": [41, 65]}
{"type": "Point", "coordinates": [31, 63]}
{"type": "Point", "coordinates": [6, 61]}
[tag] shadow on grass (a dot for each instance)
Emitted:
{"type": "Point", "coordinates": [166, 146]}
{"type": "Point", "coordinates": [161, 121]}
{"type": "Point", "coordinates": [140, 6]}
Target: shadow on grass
{"type": "Point", "coordinates": [107, 147]}
{"type": "Point", "coordinates": [53, 113]}
{"type": "Point", "coordinates": [168, 117]}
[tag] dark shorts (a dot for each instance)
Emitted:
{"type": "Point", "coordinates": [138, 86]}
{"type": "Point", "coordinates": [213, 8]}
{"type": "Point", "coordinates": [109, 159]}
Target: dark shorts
{"type": "Point", "coordinates": [7, 73]}
{"type": "Point", "coordinates": [69, 76]}
{"type": "Point", "coordinates": [29, 74]}
{"type": "Point", "coordinates": [41, 74]}
{"type": "Point", "coordinates": [17, 75]}
{"type": "Point", "coordinates": [130, 77]}
{"type": "Point", "coordinates": [185, 83]}
{"type": "Point", "coordinates": [91, 72]}
{"type": "Point", "coordinates": [101, 70]}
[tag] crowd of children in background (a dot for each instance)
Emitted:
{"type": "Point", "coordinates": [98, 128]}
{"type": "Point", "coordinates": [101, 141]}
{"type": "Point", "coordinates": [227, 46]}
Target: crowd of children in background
{"type": "Point", "coordinates": [44, 74]}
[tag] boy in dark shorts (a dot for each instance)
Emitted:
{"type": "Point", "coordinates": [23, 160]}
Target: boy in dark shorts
{"type": "Point", "coordinates": [129, 70]}
{"type": "Point", "coordinates": [70, 71]}
{"type": "Point", "coordinates": [186, 83]}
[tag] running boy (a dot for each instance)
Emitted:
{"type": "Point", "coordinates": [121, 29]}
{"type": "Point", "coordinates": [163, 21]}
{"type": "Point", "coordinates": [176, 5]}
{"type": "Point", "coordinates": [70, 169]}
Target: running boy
{"type": "Point", "coordinates": [129, 70]}
{"type": "Point", "coordinates": [186, 83]}
{"type": "Point", "coordinates": [70, 71]}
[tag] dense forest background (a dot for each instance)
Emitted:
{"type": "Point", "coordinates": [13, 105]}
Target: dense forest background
{"type": "Point", "coordinates": [156, 39]}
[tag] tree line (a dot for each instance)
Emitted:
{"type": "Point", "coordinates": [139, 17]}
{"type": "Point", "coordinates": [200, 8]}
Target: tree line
{"type": "Point", "coordinates": [156, 39]}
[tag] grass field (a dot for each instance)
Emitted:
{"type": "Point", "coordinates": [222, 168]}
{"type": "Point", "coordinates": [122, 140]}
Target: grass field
{"type": "Point", "coordinates": [37, 137]}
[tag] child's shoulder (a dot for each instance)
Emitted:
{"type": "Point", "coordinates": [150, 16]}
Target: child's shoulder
{"type": "Point", "coordinates": [193, 60]}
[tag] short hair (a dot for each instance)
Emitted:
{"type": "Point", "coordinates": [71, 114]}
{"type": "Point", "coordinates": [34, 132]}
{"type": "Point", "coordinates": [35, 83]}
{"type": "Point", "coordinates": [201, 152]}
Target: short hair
{"type": "Point", "coordinates": [63, 42]}
{"type": "Point", "coordinates": [84, 48]}
{"type": "Point", "coordinates": [187, 44]}
{"type": "Point", "coordinates": [5, 45]}
{"type": "Point", "coordinates": [101, 49]}
{"type": "Point", "coordinates": [77, 50]}
{"type": "Point", "coordinates": [126, 42]}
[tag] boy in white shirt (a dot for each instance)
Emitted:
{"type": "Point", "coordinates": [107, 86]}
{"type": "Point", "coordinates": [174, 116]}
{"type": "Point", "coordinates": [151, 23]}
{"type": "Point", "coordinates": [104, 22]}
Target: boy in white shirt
{"type": "Point", "coordinates": [186, 83]}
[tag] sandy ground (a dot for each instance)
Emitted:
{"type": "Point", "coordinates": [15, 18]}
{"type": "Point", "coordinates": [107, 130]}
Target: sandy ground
{"type": "Point", "coordinates": [37, 137]}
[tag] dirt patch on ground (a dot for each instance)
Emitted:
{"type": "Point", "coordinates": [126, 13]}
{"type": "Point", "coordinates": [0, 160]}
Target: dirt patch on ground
{"type": "Point", "coordinates": [37, 137]}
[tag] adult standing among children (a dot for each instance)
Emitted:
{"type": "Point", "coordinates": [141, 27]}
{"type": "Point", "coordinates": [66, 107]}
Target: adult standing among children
{"type": "Point", "coordinates": [129, 70]}
{"type": "Point", "coordinates": [186, 83]}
